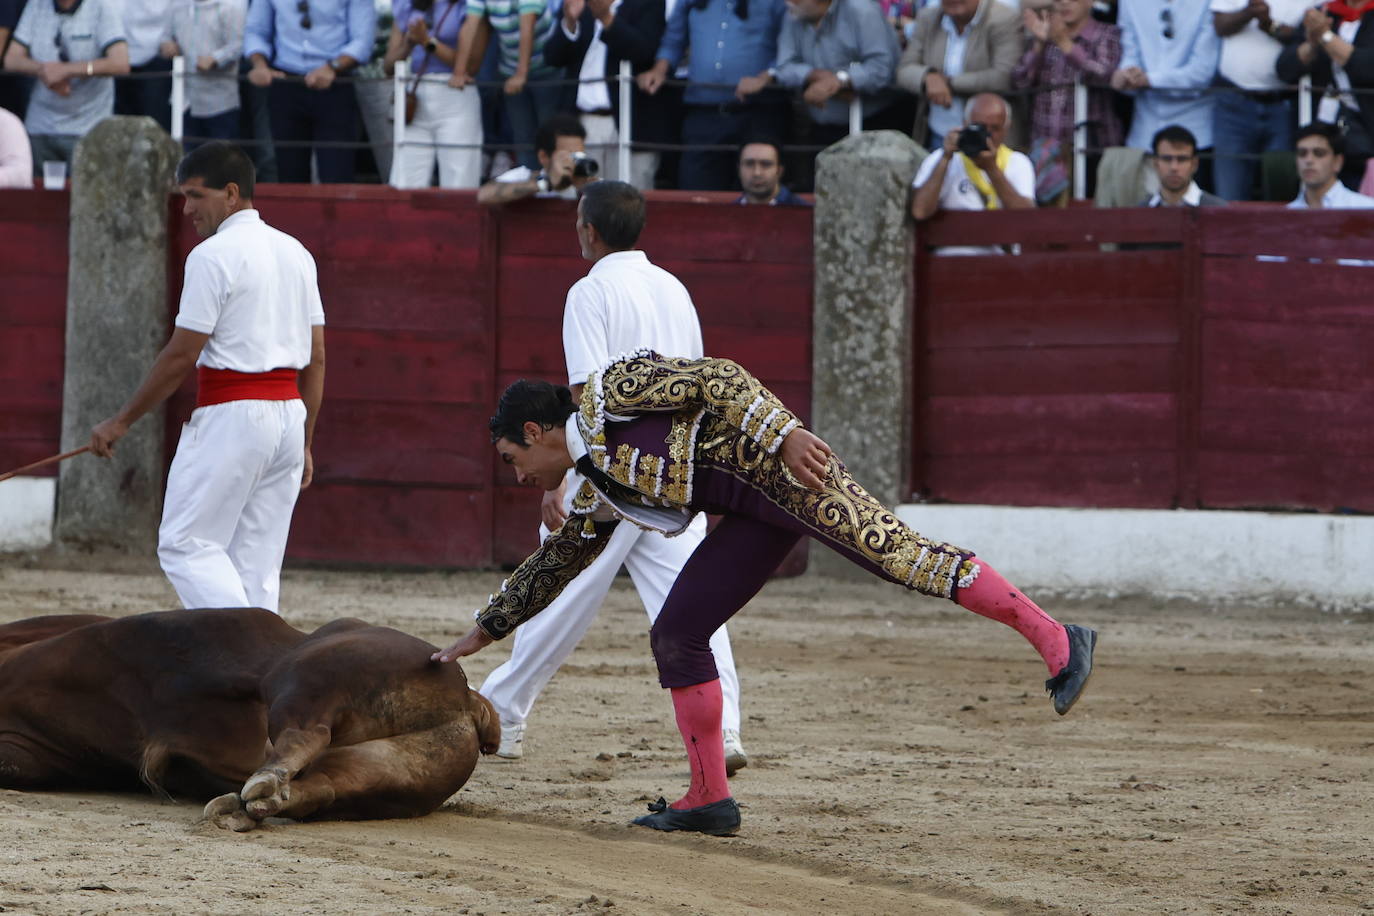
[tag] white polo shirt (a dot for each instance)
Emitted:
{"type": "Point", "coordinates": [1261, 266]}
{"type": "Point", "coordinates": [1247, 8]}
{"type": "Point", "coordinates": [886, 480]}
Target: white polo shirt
{"type": "Point", "coordinates": [624, 304]}
{"type": "Point", "coordinates": [253, 289]}
{"type": "Point", "coordinates": [959, 193]}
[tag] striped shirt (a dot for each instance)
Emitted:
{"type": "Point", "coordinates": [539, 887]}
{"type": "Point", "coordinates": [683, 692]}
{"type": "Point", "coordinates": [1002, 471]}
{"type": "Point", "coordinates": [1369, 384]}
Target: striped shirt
{"type": "Point", "coordinates": [504, 16]}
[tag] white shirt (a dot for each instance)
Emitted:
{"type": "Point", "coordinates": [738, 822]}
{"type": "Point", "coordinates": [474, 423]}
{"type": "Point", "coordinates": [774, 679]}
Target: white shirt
{"type": "Point", "coordinates": [1248, 57]}
{"type": "Point", "coordinates": [959, 193]}
{"type": "Point", "coordinates": [1338, 197]}
{"type": "Point", "coordinates": [147, 23]}
{"type": "Point", "coordinates": [592, 91]}
{"type": "Point", "coordinates": [253, 289]}
{"type": "Point", "coordinates": [624, 304]}
{"type": "Point", "coordinates": [1191, 197]}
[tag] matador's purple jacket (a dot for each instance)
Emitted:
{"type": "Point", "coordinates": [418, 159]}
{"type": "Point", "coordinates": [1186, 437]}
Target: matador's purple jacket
{"type": "Point", "coordinates": [652, 426]}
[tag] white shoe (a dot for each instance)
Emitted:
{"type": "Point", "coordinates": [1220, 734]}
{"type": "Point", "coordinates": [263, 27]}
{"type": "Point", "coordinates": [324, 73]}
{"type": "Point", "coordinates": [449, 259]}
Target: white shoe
{"type": "Point", "coordinates": [512, 742]}
{"type": "Point", "coordinates": [735, 758]}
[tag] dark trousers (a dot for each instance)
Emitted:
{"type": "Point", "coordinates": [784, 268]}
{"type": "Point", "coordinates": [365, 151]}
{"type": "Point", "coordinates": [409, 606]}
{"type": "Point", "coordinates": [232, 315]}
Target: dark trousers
{"type": "Point", "coordinates": [306, 120]}
{"type": "Point", "coordinates": [14, 93]}
{"type": "Point", "coordinates": [801, 164]}
{"type": "Point", "coordinates": [765, 513]}
{"type": "Point", "coordinates": [729, 126]}
{"type": "Point", "coordinates": [147, 91]}
{"type": "Point", "coordinates": [223, 126]}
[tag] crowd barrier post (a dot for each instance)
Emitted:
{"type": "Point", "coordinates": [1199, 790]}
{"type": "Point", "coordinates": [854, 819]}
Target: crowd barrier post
{"type": "Point", "coordinates": [856, 115]}
{"type": "Point", "coordinates": [1080, 139]}
{"type": "Point", "coordinates": [625, 79]}
{"type": "Point", "coordinates": [1305, 100]}
{"type": "Point", "coordinates": [178, 98]}
{"type": "Point", "coordinates": [398, 113]}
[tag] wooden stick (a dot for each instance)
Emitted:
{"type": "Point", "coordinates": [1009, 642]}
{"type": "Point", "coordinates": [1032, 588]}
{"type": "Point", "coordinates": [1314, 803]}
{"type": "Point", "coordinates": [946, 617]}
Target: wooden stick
{"type": "Point", "coordinates": [38, 464]}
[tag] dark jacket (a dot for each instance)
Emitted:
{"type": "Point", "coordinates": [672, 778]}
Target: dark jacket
{"type": "Point", "coordinates": [1360, 67]}
{"type": "Point", "coordinates": [634, 35]}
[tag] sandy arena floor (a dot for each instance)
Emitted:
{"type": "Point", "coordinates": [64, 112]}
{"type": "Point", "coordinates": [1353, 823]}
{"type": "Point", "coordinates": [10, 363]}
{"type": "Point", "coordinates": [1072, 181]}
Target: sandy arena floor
{"type": "Point", "coordinates": [903, 759]}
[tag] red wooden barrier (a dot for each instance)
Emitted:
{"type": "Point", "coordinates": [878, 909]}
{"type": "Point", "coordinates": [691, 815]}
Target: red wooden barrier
{"type": "Point", "coordinates": [1172, 370]}
{"type": "Point", "coordinates": [434, 304]}
{"type": "Point", "coordinates": [33, 323]}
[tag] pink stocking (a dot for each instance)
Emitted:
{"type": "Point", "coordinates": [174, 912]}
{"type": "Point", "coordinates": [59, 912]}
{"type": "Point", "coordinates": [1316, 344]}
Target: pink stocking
{"type": "Point", "coordinates": [993, 596]}
{"type": "Point", "coordinates": [698, 718]}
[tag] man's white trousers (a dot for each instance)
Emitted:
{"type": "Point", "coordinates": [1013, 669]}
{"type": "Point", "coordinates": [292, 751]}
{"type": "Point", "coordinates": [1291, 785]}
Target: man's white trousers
{"type": "Point", "coordinates": [545, 641]}
{"type": "Point", "coordinates": [230, 493]}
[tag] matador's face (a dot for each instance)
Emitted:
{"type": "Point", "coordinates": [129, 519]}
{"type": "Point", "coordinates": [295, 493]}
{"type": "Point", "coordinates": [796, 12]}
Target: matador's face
{"type": "Point", "coordinates": [541, 462]}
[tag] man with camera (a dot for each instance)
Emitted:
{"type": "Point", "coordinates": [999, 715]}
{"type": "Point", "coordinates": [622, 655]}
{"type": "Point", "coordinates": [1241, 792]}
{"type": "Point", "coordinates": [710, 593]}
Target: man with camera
{"type": "Point", "coordinates": [564, 166]}
{"type": "Point", "coordinates": [975, 170]}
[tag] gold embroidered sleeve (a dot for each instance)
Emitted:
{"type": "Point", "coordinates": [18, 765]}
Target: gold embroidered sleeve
{"type": "Point", "coordinates": [649, 382]}
{"type": "Point", "coordinates": [543, 575]}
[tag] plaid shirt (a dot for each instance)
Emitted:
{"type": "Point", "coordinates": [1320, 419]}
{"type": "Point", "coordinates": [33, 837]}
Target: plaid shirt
{"type": "Point", "coordinates": [1096, 54]}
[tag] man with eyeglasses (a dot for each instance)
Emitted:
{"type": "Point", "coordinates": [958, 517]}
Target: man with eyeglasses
{"type": "Point", "coordinates": [1169, 54]}
{"type": "Point", "coordinates": [1321, 154]}
{"type": "Point", "coordinates": [299, 49]}
{"type": "Point", "coordinates": [69, 46]}
{"type": "Point", "coordinates": [1174, 153]}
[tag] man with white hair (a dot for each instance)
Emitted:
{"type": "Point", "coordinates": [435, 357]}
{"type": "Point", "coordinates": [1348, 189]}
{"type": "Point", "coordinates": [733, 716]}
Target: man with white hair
{"type": "Point", "coordinates": [975, 170]}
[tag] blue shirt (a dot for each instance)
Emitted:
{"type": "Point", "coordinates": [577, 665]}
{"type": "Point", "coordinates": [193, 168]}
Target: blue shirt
{"type": "Point", "coordinates": [723, 46]}
{"type": "Point", "coordinates": [1181, 65]}
{"type": "Point", "coordinates": [337, 27]}
{"type": "Point", "coordinates": [448, 13]}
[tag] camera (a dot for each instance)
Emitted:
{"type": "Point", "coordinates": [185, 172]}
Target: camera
{"type": "Point", "coordinates": [585, 166]}
{"type": "Point", "coordinates": [973, 140]}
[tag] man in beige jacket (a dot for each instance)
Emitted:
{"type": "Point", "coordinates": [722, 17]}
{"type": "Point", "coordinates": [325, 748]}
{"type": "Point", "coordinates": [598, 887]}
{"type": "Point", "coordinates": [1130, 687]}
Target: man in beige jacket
{"type": "Point", "coordinates": [959, 49]}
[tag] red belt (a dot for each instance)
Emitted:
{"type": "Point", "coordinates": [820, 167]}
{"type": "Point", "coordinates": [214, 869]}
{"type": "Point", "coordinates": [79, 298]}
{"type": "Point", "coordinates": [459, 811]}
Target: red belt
{"type": "Point", "coordinates": [217, 386]}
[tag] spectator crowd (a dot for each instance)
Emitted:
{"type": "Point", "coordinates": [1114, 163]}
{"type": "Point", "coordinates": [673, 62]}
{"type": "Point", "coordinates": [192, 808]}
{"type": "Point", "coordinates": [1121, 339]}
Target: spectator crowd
{"type": "Point", "coordinates": [727, 94]}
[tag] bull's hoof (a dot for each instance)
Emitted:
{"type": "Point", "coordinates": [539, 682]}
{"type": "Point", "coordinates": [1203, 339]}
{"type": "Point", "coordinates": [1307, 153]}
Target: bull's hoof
{"type": "Point", "coordinates": [265, 793]}
{"type": "Point", "coordinates": [226, 812]}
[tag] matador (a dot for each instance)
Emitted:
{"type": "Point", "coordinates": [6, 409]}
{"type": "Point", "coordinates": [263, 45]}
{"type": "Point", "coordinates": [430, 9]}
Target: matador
{"type": "Point", "coordinates": [658, 440]}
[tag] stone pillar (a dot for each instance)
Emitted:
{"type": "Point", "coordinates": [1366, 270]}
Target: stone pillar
{"type": "Point", "coordinates": [862, 326]}
{"type": "Point", "coordinates": [117, 321]}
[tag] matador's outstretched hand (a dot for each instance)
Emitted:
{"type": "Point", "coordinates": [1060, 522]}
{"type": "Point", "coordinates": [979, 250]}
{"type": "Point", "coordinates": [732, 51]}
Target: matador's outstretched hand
{"type": "Point", "coordinates": [807, 457]}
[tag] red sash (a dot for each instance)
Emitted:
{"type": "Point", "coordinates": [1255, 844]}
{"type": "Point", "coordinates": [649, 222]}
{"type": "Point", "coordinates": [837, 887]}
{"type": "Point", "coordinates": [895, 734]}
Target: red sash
{"type": "Point", "coordinates": [216, 386]}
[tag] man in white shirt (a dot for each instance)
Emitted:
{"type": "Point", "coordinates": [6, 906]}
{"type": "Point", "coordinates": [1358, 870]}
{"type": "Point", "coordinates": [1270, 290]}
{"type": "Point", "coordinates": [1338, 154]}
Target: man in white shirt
{"type": "Point", "coordinates": [997, 177]}
{"type": "Point", "coordinates": [561, 146]}
{"type": "Point", "coordinates": [1175, 157]}
{"type": "Point", "coordinates": [251, 321]}
{"type": "Point", "coordinates": [1256, 114]}
{"type": "Point", "coordinates": [623, 304]}
{"type": "Point", "coordinates": [1321, 155]}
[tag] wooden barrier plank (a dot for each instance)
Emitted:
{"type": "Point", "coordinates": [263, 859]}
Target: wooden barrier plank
{"type": "Point", "coordinates": [1231, 480]}
{"type": "Point", "coordinates": [1043, 370]}
{"type": "Point", "coordinates": [15, 452]}
{"type": "Point", "coordinates": [1049, 280]}
{"type": "Point", "coordinates": [1019, 427]}
{"type": "Point", "coordinates": [1316, 425]}
{"type": "Point", "coordinates": [420, 443]}
{"type": "Point", "coordinates": [1291, 291]}
{"type": "Point", "coordinates": [402, 526]}
{"type": "Point", "coordinates": [1027, 323]}
{"type": "Point", "coordinates": [1055, 226]}
{"type": "Point", "coordinates": [1245, 233]}
{"type": "Point", "coordinates": [407, 366]}
{"type": "Point", "coordinates": [1269, 358]}
{"type": "Point", "coordinates": [1139, 480]}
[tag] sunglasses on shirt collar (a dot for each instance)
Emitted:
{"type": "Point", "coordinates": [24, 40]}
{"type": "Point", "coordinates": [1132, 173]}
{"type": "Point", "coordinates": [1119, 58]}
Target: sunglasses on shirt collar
{"type": "Point", "coordinates": [303, 7]}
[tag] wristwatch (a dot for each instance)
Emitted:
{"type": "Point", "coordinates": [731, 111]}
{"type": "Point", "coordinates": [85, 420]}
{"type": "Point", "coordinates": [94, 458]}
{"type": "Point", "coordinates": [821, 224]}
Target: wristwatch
{"type": "Point", "coordinates": [542, 183]}
{"type": "Point", "coordinates": [843, 77]}
{"type": "Point", "coordinates": [1327, 36]}
{"type": "Point", "coordinates": [431, 46]}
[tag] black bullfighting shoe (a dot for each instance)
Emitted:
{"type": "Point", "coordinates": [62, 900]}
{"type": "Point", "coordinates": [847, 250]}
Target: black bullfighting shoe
{"type": "Point", "coordinates": [716, 819]}
{"type": "Point", "coordinates": [1067, 686]}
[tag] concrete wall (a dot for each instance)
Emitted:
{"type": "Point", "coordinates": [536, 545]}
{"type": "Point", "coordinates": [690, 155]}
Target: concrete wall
{"type": "Point", "coordinates": [1212, 555]}
{"type": "Point", "coordinates": [26, 512]}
